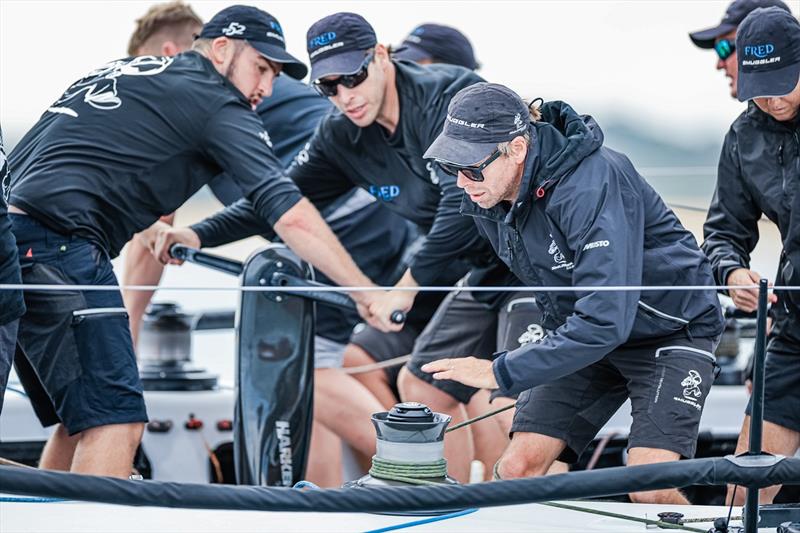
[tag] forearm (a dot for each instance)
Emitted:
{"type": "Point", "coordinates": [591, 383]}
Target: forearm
{"type": "Point", "coordinates": [141, 268]}
{"type": "Point", "coordinates": [235, 222]}
{"type": "Point", "coordinates": [303, 229]}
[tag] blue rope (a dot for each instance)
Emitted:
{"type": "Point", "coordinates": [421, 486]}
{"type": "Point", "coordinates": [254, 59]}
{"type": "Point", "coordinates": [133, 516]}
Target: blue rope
{"type": "Point", "coordinates": [423, 521]}
{"type": "Point", "coordinates": [12, 499]}
{"type": "Point", "coordinates": [303, 484]}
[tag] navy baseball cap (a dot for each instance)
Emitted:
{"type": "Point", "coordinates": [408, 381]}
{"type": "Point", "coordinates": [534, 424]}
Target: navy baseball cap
{"type": "Point", "coordinates": [337, 44]}
{"type": "Point", "coordinates": [261, 30]}
{"type": "Point", "coordinates": [441, 44]}
{"type": "Point", "coordinates": [734, 15]}
{"type": "Point", "coordinates": [478, 118]}
{"type": "Point", "coordinates": [768, 45]}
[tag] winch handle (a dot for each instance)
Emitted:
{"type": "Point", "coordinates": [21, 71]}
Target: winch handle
{"type": "Point", "coordinates": [193, 255]}
{"type": "Point", "coordinates": [398, 317]}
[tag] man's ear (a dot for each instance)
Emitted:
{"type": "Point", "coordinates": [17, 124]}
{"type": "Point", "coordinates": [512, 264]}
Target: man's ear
{"type": "Point", "coordinates": [381, 54]}
{"type": "Point", "coordinates": [169, 48]}
{"type": "Point", "coordinates": [519, 149]}
{"type": "Point", "coordinates": [219, 50]}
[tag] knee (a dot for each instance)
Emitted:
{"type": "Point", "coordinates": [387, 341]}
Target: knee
{"type": "Point", "coordinates": [413, 389]}
{"type": "Point", "coordinates": [660, 497]}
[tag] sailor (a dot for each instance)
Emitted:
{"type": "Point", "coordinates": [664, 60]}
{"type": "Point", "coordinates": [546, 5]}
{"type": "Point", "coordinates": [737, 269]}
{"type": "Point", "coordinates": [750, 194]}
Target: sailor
{"type": "Point", "coordinates": [388, 113]}
{"type": "Point", "coordinates": [12, 305]}
{"type": "Point", "coordinates": [563, 210]}
{"type": "Point", "coordinates": [375, 237]}
{"type": "Point", "coordinates": [126, 144]}
{"type": "Point", "coordinates": [437, 43]}
{"type": "Point", "coordinates": [759, 175]}
{"type": "Point", "coordinates": [722, 37]}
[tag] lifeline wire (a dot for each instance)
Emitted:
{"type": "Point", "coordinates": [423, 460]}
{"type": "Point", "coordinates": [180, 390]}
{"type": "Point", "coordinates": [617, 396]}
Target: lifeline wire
{"type": "Point", "coordinates": [646, 521]}
{"type": "Point", "coordinates": [375, 288]}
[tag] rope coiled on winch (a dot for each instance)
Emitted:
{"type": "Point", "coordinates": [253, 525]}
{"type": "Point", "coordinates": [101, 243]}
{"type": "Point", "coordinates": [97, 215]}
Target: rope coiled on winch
{"type": "Point", "coordinates": [414, 473]}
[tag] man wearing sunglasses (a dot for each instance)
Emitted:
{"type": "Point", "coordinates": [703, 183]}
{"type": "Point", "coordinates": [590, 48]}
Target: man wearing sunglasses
{"type": "Point", "coordinates": [389, 112]}
{"type": "Point", "coordinates": [561, 210]}
{"type": "Point", "coordinates": [722, 37]}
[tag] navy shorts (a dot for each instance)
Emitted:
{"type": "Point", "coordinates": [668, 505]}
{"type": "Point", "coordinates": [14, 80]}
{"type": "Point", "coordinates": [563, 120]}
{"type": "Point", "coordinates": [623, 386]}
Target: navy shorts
{"type": "Point", "coordinates": [781, 383]}
{"type": "Point", "coordinates": [667, 381]}
{"type": "Point", "coordinates": [75, 356]}
{"type": "Point", "coordinates": [463, 326]}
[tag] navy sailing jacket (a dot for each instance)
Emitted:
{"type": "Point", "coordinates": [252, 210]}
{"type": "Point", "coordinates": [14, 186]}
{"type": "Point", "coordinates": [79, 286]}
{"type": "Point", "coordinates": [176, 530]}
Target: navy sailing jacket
{"type": "Point", "coordinates": [585, 217]}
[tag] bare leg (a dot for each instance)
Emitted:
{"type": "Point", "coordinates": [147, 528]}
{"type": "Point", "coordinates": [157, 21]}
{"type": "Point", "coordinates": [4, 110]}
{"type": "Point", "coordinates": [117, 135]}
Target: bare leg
{"type": "Point", "coordinates": [59, 450]}
{"type": "Point", "coordinates": [324, 458]}
{"type": "Point", "coordinates": [141, 268]}
{"type": "Point", "coordinates": [376, 380]}
{"type": "Point", "coordinates": [529, 455]}
{"type": "Point", "coordinates": [458, 446]}
{"type": "Point", "coordinates": [777, 440]}
{"type": "Point", "coordinates": [489, 437]}
{"type": "Point", "coordinates": [107, 450]}
{"type": "Point", "coordinates": [646, 456]}
{"type": "Point", "coordinates": [345, 406]}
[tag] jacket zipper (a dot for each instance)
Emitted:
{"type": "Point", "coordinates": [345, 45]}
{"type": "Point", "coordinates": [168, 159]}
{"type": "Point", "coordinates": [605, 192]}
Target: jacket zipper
{"type": "Point", "coordinates": [662, 314]}
{"type": "Point", "coordinates": [695, 351]}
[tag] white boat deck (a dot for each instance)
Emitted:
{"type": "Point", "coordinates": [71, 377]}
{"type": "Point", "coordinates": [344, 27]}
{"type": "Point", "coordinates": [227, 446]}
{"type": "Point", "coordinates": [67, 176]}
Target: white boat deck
{"type": "Point", "coordinates": [84, 517]}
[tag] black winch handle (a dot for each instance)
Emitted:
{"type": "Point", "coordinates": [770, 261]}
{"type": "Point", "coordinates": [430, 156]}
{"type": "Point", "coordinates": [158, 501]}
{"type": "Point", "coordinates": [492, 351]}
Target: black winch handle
{"type": "Point", "coordinates": [280, 279]}
{"type": "Point", "coordinates": [193, 255]}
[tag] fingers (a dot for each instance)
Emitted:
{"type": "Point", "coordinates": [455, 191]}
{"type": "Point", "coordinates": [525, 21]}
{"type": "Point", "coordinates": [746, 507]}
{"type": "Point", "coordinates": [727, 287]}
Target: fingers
{"type": "Point", "coordinates": [441, 369]}
{"type": "Point", "coordinates": [745, 299]}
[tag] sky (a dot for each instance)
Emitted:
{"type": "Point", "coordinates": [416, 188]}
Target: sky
{"type": "Point", "coordinates": [623, 59]}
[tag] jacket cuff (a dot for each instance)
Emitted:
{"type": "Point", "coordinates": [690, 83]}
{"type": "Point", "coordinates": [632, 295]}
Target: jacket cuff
{"type": "Point", "coordinates": [423, 276]}
{"type": "Point", "coordinates": [501, 375]}
{"type": "Point", "coordinates": [202, 230]}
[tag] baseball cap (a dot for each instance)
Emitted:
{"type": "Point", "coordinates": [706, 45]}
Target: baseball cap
{"type": "Point", "coordinates": [261, 30]}
{"type": "Point", "coordinates": [734, 15]}
{"type": "Point", "coordinates": [337, 44]}
{"type": "Point", "coordinates": [478, 118]}
{"type": "Point", "coordinates": [768, 45]}
{"type": "Point", "coordinates": [438, 43]}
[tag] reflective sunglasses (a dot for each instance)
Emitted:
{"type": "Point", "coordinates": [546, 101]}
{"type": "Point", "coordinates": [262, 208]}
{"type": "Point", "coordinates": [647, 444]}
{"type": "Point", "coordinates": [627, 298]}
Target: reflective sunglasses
{"type": "Point", "coordinates": [724, 48]}
{"type": "Point", "coordinates": [328, 88]}
{"type": "Point", "coordinates": [471, 173]}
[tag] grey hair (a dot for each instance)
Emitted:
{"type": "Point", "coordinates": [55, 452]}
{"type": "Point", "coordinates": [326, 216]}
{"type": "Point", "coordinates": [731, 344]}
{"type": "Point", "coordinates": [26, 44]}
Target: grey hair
{"type": "Point", "coordinates": [503, 147]}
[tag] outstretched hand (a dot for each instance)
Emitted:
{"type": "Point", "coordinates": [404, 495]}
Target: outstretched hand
{"type": "Point", "coordinates": [470, 371]}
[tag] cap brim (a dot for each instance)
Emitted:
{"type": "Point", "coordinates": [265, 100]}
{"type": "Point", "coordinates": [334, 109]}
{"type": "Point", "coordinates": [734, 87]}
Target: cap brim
{"type": "Point", "coordinates": [337, 65]}
{"type": "Point", "coordinates": [458, 152]}
{"type": "Point", "coordinates": [765, 84]}
{"type": "Point", "coordinates": [409, 52]}
{"type": "Point", "coordinates": [292, 66]}
{"type": "Point", "coordinates": [706, 38]}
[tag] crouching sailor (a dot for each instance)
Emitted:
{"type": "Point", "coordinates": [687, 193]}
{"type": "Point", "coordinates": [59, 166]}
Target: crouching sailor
{"type": "Point", "coordinates": [562, 210]}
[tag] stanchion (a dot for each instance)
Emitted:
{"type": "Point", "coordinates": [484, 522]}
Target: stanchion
{"type": "Point", "coordinates": [757, 414]}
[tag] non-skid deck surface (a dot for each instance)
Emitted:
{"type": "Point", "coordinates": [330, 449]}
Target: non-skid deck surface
{"type": "Point", "coordinates": [85, 517]}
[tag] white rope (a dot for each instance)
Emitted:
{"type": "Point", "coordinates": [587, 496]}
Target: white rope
{"type": "Point", "coordinates": [448, 288]}
{"type": "Point", "coordinates": [396, 361]}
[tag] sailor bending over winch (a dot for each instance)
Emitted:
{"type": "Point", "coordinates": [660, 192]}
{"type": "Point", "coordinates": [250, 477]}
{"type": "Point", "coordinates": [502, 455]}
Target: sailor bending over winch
{"type": "Point", "coordinates": [562, 210]}
{"type": "Point", "coordinates": [124, 145]}
{"type": "Point", "coordinates": [389, 113]}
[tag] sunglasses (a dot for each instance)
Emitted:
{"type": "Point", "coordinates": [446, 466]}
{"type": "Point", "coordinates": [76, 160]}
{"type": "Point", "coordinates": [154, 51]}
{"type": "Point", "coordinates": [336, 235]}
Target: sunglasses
{"type": "Point", "coordinates": [328, 88]}
{"type": "Point", "coordinates": [724, 48]}
{"type": "Point", "coordinates": [471, 173]}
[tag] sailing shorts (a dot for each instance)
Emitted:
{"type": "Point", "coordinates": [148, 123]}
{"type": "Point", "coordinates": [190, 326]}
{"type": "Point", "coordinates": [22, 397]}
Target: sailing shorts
{"type": "Point", "coordinates": [463, 326]}
{"type": "Point", "coordinates": [75, 356]}
{"type": "Point", "coordinates": [667, 381]}
{"type": "Point", "coordinates": [781, 384]}
{"type": "Point", "coordinates": [8, 342]}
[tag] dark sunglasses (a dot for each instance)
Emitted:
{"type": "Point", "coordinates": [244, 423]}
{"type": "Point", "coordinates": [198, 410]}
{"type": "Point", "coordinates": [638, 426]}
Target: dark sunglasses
{"type": "Point", "coordinates": [328, 88]}
{"type": "Point", "coordinates": [471, 173]}
{"type": "Point", "coordinates": [724, 48]}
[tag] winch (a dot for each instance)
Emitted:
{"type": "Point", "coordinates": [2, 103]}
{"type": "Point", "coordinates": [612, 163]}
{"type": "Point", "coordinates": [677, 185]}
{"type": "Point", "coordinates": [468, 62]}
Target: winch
{"type": "Point", "coordinates": [410, 448]}
{"type": "Point", "coordinates": [165, 351]}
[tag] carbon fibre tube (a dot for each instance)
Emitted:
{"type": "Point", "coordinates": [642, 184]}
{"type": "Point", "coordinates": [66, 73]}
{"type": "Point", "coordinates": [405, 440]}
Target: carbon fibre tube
{"type": "Point", "coordinates": [586, 484]}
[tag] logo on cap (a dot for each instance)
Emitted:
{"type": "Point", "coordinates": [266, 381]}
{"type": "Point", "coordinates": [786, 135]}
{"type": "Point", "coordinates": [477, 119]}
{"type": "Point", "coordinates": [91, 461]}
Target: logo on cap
{"type": "Point", "coordinates": [322, 39]}
{"type": "Point", "coordinates": [234, 28]}
{"type": "Point", "coordinates": [762, 52]}
{"type": "Point", "coordinates": [461, 122]}
{"type": "Point", "coordinates": [278, 33]}
{"type": "Point", "coordinates": [518, 124]}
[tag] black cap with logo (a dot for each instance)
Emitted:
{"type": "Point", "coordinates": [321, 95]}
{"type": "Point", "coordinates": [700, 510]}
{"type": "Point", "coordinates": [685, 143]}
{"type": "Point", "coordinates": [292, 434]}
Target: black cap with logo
{"type": "Point", "coordinates": [438, 43]}
{"type": "Point", "coordinates": [734, 15]}
{"type": "Point", "coordinates": [337, 44]}
{"type": "Point", "coordinates": [768, 45]}
{"type": "Point", "coordinates": [261, 30]}
{"type": "Point", "coordinates": [478, 118]}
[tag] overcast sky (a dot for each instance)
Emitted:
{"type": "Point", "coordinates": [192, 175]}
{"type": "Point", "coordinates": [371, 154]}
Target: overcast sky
{"type": "Point", "coordinates": [607, 58]}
